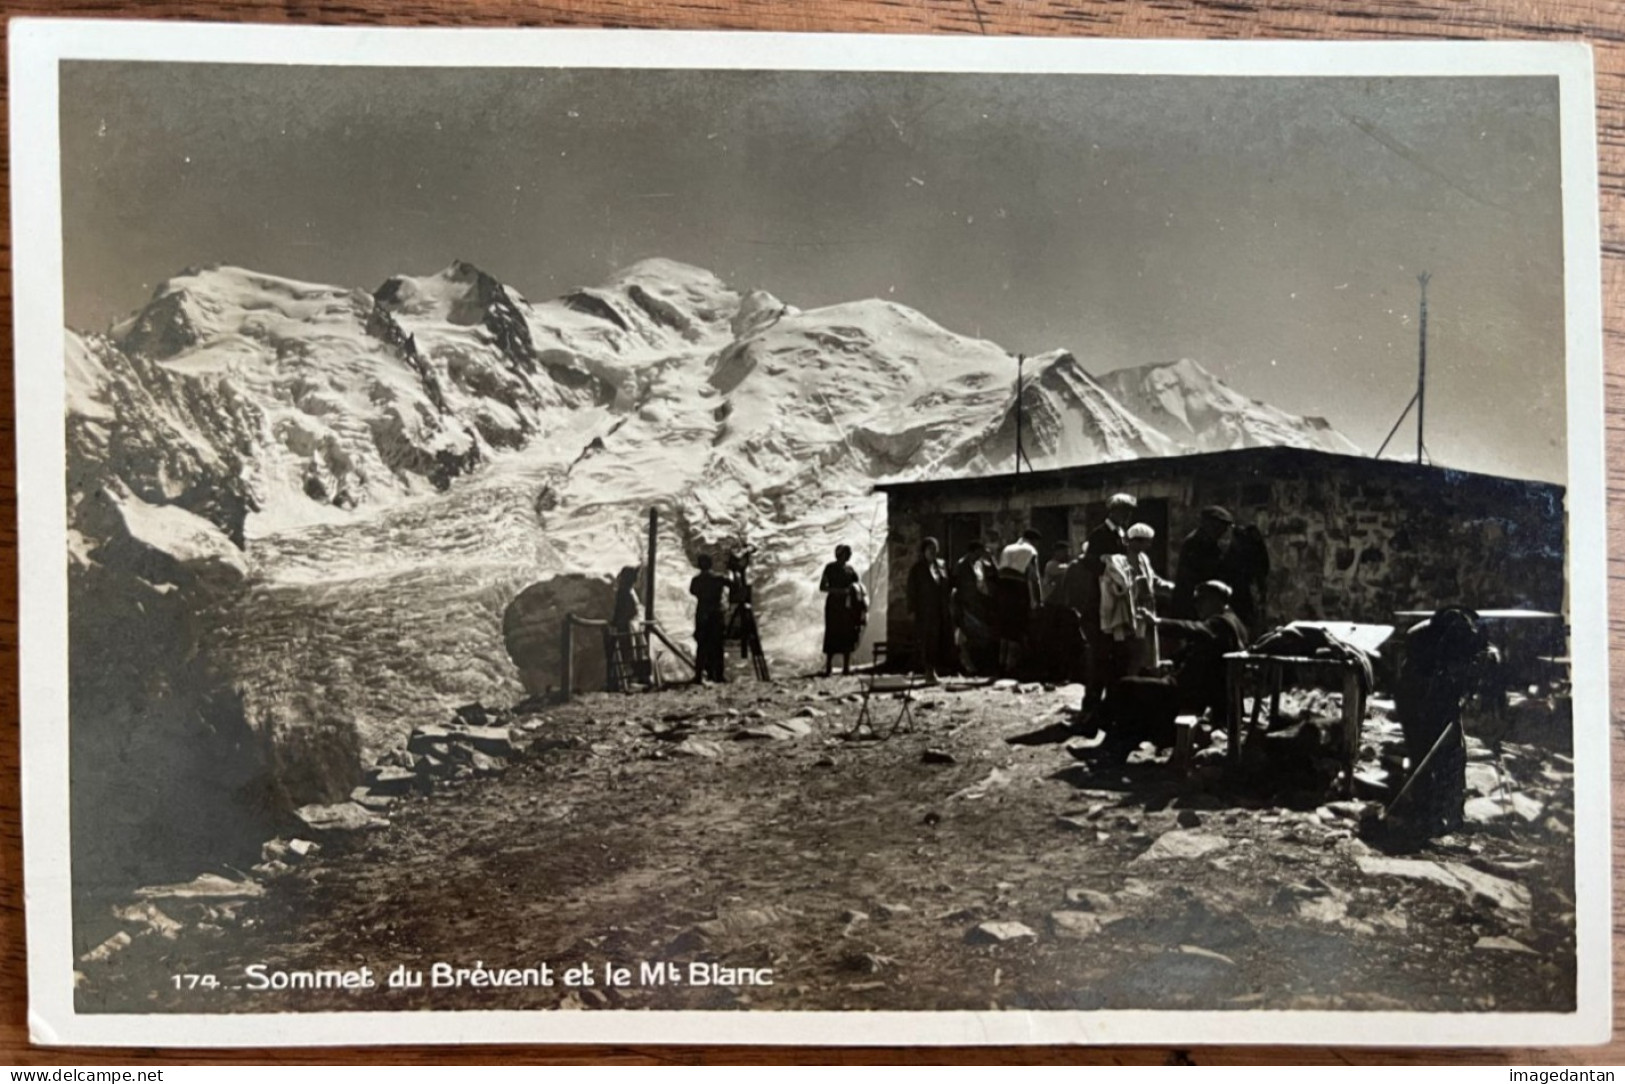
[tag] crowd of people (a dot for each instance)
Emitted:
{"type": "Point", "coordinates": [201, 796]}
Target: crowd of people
{"type": "Point", "coordinates": [1105, 616]}
{"type": "Point", "coordinates": [1098, 616]}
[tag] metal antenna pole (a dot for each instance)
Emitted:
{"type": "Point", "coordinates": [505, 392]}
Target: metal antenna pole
{"type": "Point", "coordinates": [1020, 359]}
{"type": "Point", "coordinates": [1422, 368]}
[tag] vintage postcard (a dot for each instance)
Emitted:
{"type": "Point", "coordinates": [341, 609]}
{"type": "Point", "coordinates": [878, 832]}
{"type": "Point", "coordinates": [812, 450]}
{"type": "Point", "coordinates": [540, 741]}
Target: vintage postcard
{"type": "Point", "coordinates": [767, 538]}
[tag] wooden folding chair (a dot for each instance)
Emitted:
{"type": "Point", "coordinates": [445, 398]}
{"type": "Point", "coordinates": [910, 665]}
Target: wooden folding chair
{"type": "Point", "coordinates": [898, 688]}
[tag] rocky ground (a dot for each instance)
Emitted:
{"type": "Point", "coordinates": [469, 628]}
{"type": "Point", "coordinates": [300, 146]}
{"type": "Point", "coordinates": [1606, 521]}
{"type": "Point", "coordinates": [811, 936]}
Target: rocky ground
{"type": "Point", "coordinates": [733, 828]}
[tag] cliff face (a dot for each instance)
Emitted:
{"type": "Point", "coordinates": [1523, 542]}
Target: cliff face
{"type": "Point", "coordinates": [298, 512]}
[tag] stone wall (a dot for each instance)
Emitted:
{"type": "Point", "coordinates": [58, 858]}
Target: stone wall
{"type": "Point", "coordinates": [1349, 538]}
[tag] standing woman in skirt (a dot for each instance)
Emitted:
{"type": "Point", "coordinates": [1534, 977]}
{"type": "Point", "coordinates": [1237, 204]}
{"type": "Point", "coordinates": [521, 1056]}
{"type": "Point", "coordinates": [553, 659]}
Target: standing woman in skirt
{"type": "Point", "coordinates": [845, 610]}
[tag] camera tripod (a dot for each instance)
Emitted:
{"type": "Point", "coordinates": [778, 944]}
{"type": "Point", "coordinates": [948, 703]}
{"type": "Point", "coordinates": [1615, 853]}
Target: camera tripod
{"type": "Point", "coordinates": [742, 627]}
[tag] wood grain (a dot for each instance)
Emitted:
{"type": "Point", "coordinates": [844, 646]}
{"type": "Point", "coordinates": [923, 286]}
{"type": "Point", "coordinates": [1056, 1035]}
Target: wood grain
{"type": "Point", "coordinates": [1600, 22]}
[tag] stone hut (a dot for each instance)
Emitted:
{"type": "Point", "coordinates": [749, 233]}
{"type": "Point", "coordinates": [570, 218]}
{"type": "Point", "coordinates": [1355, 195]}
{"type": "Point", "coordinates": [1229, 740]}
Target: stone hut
{"type": "Point", "coordinates": [1349, 538]}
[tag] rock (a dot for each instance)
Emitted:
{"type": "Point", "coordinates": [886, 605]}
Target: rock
{"type": "Point", "coordinates": [1483, 779]}
{"type": "Point", "coordinates": [107, 949]}
{"type": "Point", "coordinates": [894, 910]}
{"type": "Point", "coordinates": [1513, 899]}
{"type": "Point", "coordinates": [1089, 899]}
{"type": "Point", "coordinates": [473, 715]}
{"type": "Point", "coordinates": [1503, 944]}
{"type": "Point", "coordinates": [392, 782]}
{"type": "Point", "coordinates": [1527, 808]}
{"type": "Point", "coordinates": [1328, 909]}
{"type": "Point", "coordinates": [973, 913]}
{"type": "Point", "coordinates": [731, 924]}
{"type": "Point", "coordinates": [825, 762]}
{"type": "Point", "coordinates": [206, 886]}
{"type": "Point", "coordinates": [1006, 683]}
{"type": "Point", "coordinates": [1183, 844]}
{"type": "Point", "coordinates": [1510, 868]}
{"type": "Point", "coordinates": [809, 712]}
{"type": "Point", "coordinates": [533, 624]}
{"type": "Point", "coordinates": [938, 756]}
{"type": "Point", "coordinates": [1029, 688]}
{"type": "Point", "coordinates": [372, 803]}
{"type": "Point", "coordinates": [338, 818]}
{"type": "Point", "coordinates": [301, 849]}
{"type": "Point", "coordinates": [493, 741]}
{"type": "Point", "coordinates": [868, 963]}
{"type": "Point", "coordinates": [436, 767]}
{"type": "Point", "coordinates": [1078, 925]}
{"type": "Point", "coordinates": [1074, 824]}
{"type": "Point", "coordinates": [1189, 818]}
{"type": "Point", "coordinates": [998, 777]}
{"type": "Point", "coordinates": [273, 850]}
{"type": "Point", "coordinates": [998, 933]}
{"type": "Point", "coordinates": [270, 871]}
{"type": "Point", "coordinates": [853, 918]}
{"type": "Point", "coordinates": [697, 747]}
{"type": "Point", "coordinates": [396, 758]}
{"type": "Point", "coordinates": [484, 764]}
{"type": "Point", "coordinates": [778, 730]}
{"type": "Point", "coordinates": [429, 739]}
{"type": "Point", "coordinates": [166, 544]}
{"type": "Point", "coordinates": [151, 920]}
{"type": "Point", "coordinates": [1207, 954]}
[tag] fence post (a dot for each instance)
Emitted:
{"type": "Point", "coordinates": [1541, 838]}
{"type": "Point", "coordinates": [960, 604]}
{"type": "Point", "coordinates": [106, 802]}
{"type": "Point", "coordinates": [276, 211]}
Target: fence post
{"type": "Point", "coordinates": [567, 662]}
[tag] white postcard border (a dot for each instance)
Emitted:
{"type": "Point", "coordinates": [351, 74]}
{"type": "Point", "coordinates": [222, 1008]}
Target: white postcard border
{"type": "Point", "coordinates": [37, 45]}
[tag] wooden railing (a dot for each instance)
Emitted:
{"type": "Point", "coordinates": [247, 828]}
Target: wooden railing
{"type": "Point", "coordinates": [567, 649]}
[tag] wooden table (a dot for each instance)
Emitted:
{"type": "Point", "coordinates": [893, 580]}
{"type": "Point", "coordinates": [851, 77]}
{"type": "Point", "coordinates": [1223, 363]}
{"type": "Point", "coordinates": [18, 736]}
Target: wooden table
{"type": "Point", "coordinates": [1343, 675]}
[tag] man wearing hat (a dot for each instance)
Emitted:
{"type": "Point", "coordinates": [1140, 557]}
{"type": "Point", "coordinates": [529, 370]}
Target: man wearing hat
{"type": "Point", "coordinates": [1128, 596]}
{"type": "Point", "coordinates": [1144, 708]}
{"type": "Point", "coordinates": [1201, 558]}
{"type": "Point", "coordinates": [1081, 589]}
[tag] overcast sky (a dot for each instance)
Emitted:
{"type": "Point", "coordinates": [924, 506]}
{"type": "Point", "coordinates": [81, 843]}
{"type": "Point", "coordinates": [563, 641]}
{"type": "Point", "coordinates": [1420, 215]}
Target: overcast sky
{"type": "Point", "coordinates": [1271, 229]}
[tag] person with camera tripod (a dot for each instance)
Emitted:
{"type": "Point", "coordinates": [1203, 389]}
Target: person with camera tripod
{"type": "Point", "coordinates": [710, 620]}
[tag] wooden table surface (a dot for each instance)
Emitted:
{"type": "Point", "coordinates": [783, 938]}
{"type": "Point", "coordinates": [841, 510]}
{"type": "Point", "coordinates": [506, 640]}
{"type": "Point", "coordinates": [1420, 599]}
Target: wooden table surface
{"type": "Point", "coordinates": [1600, 22]}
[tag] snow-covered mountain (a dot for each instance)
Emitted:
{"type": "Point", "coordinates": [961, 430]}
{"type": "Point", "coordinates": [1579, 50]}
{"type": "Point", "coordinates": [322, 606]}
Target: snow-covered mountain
{"type": "Point", "coordinates": [332, 497]}
{"type": "Point", "coordinates": [1199, 412]}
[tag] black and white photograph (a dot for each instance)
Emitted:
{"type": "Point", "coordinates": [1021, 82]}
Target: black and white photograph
{"type": "Point", "coordinates": [735, 533]}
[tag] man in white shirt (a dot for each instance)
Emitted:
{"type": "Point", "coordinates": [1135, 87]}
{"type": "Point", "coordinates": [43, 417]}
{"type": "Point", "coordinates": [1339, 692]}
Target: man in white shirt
{"type": "Point", "coordinates": [1104, 541]}
{"type": "Point", "coordinates": [1018, 595]}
